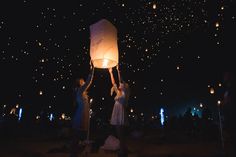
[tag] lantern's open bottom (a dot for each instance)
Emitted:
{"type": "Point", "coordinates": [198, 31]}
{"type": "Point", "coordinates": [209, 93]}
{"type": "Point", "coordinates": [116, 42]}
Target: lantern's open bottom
{"type": "Point", "coordinates": [104, 63]}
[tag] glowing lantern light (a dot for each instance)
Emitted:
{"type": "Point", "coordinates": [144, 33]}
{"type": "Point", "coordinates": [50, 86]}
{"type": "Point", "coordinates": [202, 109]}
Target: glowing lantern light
{"type": "Point", "coordinates": [162, 116]}
{"type": "Point", "coordinates": [201, 105]}
{"type": "Point", "coordinates": [37, 117]}
{"type": "Point", "coordinates": [20, 114]}
{"type": "Point", "coordinates": [51, 117]}
{"type": "Point", "coordinates": [103, 44]}
{"type": "Point", "coordinates": [63, 116]}
{"type": "Point", "coordinates": [154, 6]}
{"type": "Point", "coordinates": [13, 111]}
{"type": "Point", "coordinates": [40, 92]}
{"type": "Point", "coordinates": [212, 91]}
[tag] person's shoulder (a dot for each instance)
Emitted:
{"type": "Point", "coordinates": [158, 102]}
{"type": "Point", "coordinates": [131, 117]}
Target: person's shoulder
{"type": "Point", "coordinates": [78, 89]}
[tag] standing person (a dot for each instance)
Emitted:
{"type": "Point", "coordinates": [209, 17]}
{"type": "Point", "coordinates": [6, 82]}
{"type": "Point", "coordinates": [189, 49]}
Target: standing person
{"type": "Point", "coordinates": [119, 113]}
{"type": "Point", "coordinates": [80, 120]}
{"type": "Point", "coordinates": [229, 106]}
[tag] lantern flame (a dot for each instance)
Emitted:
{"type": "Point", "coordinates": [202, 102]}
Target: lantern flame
{"type": "Point", "coordinates": [104, 62]}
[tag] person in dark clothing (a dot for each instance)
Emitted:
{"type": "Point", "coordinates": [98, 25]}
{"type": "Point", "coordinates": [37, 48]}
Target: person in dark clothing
{"type": "Point", "coordinates": [80, 121]}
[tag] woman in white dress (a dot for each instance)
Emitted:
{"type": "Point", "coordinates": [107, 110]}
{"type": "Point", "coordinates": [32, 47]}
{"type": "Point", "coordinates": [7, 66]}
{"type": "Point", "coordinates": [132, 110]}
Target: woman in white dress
{"type": "Point", "coordinates": [119, 113]}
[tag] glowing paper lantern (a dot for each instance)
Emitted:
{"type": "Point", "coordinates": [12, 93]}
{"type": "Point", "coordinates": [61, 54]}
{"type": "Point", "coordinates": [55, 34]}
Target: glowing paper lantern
{"type": "Point", "coordinates": [212, 91]}
{"type": "Point", "coordinates": [103, 44]}
{"type": "Point", "coordinates": [154, 6]}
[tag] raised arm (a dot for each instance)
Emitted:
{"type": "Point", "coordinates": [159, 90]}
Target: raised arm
{"type": "Point", "coordinates": [112, 77]}
{"type": "Point", "coordinates": [114, 86]}
{"type": "Point", "coordinates": [118, 71]}
{"type": "Point", "coordinates": [89, 79]}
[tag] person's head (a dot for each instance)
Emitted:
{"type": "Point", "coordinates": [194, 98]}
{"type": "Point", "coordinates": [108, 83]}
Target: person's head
{"type": "Point", "coordinates": [121, 86]}
{"type": "Point", "coordinates": [80, 82]}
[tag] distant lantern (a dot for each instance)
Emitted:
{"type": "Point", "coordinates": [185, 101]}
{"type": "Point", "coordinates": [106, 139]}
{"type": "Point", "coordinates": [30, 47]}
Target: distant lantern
{"type": "Point", "coordinates": [201, 105]}
{"type": "Point", "coordinates": [103, 44]}
{"type": "Point", "coordinates": [212, 91]}
{"type": "Point", "coordinates": [40, 92]}
{"type": "Point", "coordinates": [63, 116]}
{"type": "Point", "coordinates": [154, 6]}
{"type": "Point", "coordinates": [131, 110]}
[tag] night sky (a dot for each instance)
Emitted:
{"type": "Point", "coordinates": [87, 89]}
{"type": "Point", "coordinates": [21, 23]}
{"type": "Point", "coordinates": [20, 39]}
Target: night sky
{"type": "Point", "coordinates": [169, 52]}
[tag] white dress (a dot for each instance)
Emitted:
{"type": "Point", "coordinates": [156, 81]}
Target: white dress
{"type": "Point", "coordinates": [118, 116]}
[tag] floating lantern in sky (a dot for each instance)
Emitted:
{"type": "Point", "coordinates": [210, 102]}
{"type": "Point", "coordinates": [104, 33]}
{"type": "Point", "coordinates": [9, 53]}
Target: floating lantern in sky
{"type": "Point", "coordinates": [212, 91]}
{"type": "Point", "coordinates": [154, 6]}
{"type": "Point", "coordinates": [13, 111]}
{"type": "Point", "coordinates": [40, 92]}
{"type": "Point", "coordinates": [103, 44]}
{"type": "Point", "coordinates": [201, 105]}
{"type": "Point", "coordinates": [63, 116]}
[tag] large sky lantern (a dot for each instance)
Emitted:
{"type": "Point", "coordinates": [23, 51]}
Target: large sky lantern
{"type": "Point", "coordinates": [103, 44]}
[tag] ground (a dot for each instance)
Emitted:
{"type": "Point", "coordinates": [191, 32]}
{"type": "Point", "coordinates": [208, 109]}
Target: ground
{"type": "Point", "coordinates": [149, 145]}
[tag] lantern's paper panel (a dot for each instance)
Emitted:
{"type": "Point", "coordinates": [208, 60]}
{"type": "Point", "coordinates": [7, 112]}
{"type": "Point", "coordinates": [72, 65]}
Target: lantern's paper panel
{"type": "Point", "coordinates": [103, 44]}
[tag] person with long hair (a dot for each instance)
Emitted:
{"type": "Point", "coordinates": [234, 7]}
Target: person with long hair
{"type": "Point", "coordinates": [119, 117]}
{"type": "Point", "coordinates": [80, 121]}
